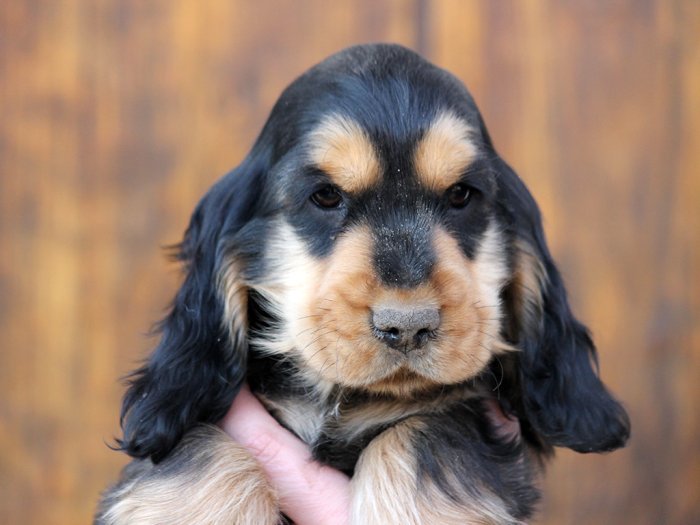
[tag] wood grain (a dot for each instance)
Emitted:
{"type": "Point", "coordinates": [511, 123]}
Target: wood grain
{"type": "Point", "coordinates": [596, 106]}
{"type": "Point", "coordinates": [117, 115]}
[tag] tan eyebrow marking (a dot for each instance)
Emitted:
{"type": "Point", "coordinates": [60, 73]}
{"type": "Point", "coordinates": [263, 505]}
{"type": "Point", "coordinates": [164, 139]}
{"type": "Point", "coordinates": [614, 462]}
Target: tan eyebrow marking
{"type": "Point", "coordinates": [444, 152]}
{"type": "Point", "coordinates": [341, 148]}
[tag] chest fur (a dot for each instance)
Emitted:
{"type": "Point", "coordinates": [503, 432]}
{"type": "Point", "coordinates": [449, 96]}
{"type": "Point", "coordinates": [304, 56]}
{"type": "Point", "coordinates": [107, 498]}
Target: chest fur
{"type": "Point", "coordinates": [339, 424]}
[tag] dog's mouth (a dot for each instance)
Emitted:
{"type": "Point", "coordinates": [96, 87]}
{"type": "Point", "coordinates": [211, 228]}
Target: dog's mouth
{"type": "Point", "coordinates": [398, 360]}
{"type": "Point", "coordinates": [402, 382]}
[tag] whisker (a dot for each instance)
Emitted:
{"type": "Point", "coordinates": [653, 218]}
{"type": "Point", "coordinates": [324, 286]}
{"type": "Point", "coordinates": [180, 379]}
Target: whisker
{"type": "Point", "coordinates": [314, 330]}
{"type": "Point", "coordinates": [499, 382]}
{"type": "Point", "coordinates": [485, 306]}
{"type": "Point", "coordinates": [323, 309]}
{"type": "Point", "coordinates": [337, 375]}
{"type": "Point", "coordinates": [319, 337]}
{"type": "Point", "coordinates": [308, 316]}
{"type": "Point", "coordinates": [492, 336]}
{"type": "Point", "coordinates": [323, 366]}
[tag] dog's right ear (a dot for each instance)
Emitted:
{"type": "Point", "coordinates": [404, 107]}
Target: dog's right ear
{"type": "Point", "coordinates": [199, 364]}
{"type": "Point", "coordinates": [561, 395]}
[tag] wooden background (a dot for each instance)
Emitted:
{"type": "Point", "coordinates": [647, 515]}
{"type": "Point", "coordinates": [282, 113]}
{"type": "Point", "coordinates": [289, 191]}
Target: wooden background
{"type": "Point", "coordinates": [115, 116]}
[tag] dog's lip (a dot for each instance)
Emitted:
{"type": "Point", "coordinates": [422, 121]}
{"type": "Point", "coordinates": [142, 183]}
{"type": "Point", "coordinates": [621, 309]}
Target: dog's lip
{"type": "Point", "coordinates": [404, 375]}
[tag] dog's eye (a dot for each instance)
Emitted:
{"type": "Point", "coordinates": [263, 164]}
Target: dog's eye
{"type": "Point", "coordinates": [327, 197]}
{"type": "Point", "coordinates": [458, 195]}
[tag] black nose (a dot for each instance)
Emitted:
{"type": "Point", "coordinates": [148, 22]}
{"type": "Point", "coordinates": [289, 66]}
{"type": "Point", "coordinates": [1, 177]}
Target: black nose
{"type": "Point", "coordinates": [405, 329]}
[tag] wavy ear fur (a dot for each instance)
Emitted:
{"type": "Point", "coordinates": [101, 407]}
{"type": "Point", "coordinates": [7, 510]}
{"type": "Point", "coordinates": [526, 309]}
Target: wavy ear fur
{"type": "Point", "coordinates": [199, 363]}
{"type": "Point", "coordinates": [561, 395]}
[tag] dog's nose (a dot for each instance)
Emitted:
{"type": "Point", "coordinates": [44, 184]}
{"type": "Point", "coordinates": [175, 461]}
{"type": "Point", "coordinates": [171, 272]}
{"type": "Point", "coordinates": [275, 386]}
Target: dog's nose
{"type": "Point", "coordinates": [405, 329]}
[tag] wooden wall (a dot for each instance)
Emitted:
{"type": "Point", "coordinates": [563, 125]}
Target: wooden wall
{"type": "Point", "coordinates": [115, 116]}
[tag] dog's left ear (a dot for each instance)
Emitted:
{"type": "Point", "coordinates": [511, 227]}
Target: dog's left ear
{"type": "Point", "coordinates": [560, 394]}
{"type": "Point", "coordinates": [200, 361]}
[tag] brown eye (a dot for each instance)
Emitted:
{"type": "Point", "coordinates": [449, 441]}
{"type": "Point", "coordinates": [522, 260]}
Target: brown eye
{"type": "Point", "coordinates": [458, 195]}
{"type": "Point", "coordinates": [327, 197]}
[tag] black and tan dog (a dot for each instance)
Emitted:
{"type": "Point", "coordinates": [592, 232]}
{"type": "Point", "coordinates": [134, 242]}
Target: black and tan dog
{"type": "Point", "coordinates": [379, 275]}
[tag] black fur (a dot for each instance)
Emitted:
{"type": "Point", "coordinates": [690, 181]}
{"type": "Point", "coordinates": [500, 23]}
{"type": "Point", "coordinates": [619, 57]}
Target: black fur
{"type": "Point", "coordinates": [467, 450]}
{"type": "Point", "coordinates": [199, 365]}
{"type": "Point", "coordinates": [560, 394]}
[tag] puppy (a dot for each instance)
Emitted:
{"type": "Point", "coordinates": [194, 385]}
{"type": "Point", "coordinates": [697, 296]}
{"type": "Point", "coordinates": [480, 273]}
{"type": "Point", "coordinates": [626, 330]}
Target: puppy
{"type": "Point", "coordinates": [380, 277]}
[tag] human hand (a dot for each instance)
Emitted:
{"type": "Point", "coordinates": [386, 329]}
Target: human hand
{"type": "Point", "coordinates": [309, 493]}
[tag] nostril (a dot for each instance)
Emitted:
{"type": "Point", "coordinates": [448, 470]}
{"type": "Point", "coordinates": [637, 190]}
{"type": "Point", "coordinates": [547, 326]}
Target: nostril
{"type": "Point", "coordinates": [393, 332]}
{"type": "Point", "coordinates": [422, 334]}
{"type": "Point", "coordinates": [390, 336]}
{"type": "Point", "coordinates": [421, 337]}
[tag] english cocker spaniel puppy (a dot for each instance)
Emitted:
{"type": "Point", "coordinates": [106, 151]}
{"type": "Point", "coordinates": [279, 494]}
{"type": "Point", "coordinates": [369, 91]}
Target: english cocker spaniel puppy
{"type": "Point", "coordinates": [380, 277]}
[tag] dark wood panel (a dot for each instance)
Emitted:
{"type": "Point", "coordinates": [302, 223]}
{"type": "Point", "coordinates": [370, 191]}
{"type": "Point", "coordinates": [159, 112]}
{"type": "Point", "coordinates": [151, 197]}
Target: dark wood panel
{"type": "Point", "coordinates": [116, 116]}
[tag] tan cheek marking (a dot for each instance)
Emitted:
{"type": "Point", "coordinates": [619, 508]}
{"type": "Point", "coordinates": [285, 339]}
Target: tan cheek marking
{"type": "Point", "coordinates": [342, 302]}
{"type": "Point", "coordinates": [341, 149]}
{"type": "Point", "coordinates": [461, 354]}
{"type": "Point", "coordinates": [324, 307]}
{"type": "Point", "coordinates": [349, 270]}
{"type": "Point", "coordinates": [471, 309]}
{"type": "Point", "coordinates": [444, 152]}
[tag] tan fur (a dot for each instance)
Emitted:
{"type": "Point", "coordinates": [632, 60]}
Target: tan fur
{"type": "Point", "coordinates": [325, 306]}
{"type": "Point", "coordinates": [444, 152]}
{"type": "Point", "coordinates": [305, 419]}
{"type": "Point", "coordinates": [386, 489]}
{"type": "Point", "coordinates": [529, 279]}
{"type": "Point", "coordinates": [355, 420]}
{"type": "Point", "coordinates": [207, 479]}
{"type": "Point", "coordinates": [341, 149]}
{"type": "Point", "coordinates": [235, 298]}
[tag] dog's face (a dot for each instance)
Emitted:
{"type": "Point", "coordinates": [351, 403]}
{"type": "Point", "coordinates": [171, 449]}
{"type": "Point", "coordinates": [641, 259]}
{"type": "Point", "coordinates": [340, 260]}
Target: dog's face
{"type": "Point", "coordinates": [386, 261]}
{"type": "Point", "coordinates": [375, 238]}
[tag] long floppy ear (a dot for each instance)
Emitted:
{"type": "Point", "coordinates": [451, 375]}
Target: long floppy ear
{"type": "Point", "coordinates": [561, 394]}
{"type": "Point", "coordinates": [199, 363]}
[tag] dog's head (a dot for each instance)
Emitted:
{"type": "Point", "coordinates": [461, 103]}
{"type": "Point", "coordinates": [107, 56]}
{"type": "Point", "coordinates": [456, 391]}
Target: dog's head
{"type": "Point", "coordinates": [374, 237]}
